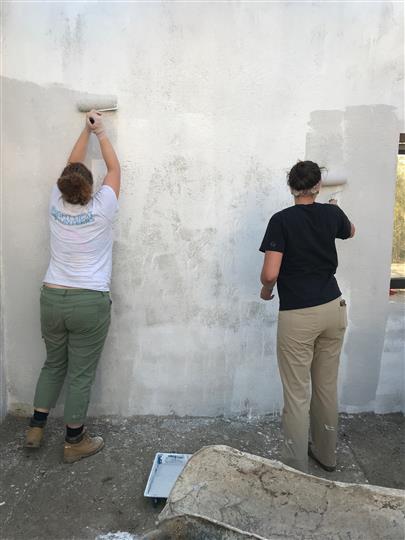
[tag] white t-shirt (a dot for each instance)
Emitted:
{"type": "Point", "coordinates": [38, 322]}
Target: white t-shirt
{"type": "Point", "coordinates": [81, 241]}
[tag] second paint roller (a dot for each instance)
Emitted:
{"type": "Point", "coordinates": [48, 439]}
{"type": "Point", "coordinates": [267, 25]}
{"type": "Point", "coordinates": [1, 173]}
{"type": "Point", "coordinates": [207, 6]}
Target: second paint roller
{"type": "Point", "coordinates": [334, 182]}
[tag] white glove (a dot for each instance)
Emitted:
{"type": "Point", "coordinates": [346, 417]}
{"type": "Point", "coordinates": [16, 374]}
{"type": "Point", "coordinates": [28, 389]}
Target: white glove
{"type": "Point", "coordinates": [94, 122]}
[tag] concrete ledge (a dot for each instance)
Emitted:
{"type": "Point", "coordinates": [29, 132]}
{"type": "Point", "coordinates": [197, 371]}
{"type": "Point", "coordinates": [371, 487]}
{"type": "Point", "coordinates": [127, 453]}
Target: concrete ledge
{"type": "Point", "coordinates": [266, 498]}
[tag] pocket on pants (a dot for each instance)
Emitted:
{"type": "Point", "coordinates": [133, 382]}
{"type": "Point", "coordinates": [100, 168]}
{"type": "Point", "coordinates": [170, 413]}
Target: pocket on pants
{"type": "Point", "coordinates": [88, 316]}
{"type": "Point", "coordinates": [49, 320]}
{"type": "Point", "coordinates": [84, 317]}
{"type": "Point", "coordinates": [342, 314]}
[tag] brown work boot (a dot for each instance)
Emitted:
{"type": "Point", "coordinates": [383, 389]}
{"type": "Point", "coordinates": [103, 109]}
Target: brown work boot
{"type": "Point", "coordinates": [86, 447]}
{"type": "Point", "coordinates": [33, 437]}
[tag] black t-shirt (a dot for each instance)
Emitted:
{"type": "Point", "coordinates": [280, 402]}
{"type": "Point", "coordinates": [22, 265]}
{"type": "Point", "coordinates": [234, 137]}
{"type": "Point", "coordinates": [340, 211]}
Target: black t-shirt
{"type": "Point", "coordinates": [305, 234]}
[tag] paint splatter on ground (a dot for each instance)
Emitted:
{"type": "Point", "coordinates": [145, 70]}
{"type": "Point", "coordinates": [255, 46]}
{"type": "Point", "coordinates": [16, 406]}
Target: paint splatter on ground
{"type": "Point", "coordinates": [117, 536]}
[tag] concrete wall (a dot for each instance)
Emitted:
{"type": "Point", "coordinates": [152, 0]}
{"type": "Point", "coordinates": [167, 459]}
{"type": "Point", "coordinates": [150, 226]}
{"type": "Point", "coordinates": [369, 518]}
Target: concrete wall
{"type": "Point", "coordinates": [216, 101]}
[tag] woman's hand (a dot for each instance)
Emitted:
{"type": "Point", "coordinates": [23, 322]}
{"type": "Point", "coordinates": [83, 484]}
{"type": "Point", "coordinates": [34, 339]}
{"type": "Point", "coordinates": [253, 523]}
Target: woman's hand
{"type": "Point", "coordinates": [266, 294]}
{"type": "Point", "coordinates": [94, 122]}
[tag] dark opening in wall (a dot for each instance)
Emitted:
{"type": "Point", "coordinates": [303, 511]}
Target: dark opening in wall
{"type": "Point", "coordinates": [398, 239]}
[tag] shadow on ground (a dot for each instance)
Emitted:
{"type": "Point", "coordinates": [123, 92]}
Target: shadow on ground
{"type": "Point", "coordinates": [42, 498]}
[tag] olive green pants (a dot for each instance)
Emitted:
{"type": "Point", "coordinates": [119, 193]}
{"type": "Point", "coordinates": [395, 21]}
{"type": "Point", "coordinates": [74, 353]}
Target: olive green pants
{"type": "Point", "coordinates": [309, 342]}
{"type": "Point", "coordinates": [74, 324]}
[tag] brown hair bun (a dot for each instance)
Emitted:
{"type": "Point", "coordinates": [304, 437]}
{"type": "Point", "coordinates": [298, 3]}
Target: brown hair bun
{"type": "Point", "coordinates": [304, 175]}
{"type": "Point", "coordinates": [76, 184]}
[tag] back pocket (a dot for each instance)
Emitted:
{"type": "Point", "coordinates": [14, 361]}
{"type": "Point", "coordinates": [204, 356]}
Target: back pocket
{"type": "Point", "coordinates": [84, 317]}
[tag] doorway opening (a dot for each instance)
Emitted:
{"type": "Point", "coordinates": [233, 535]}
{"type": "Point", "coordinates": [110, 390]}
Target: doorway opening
{"type": "Point", "coordinates": [398, 237]}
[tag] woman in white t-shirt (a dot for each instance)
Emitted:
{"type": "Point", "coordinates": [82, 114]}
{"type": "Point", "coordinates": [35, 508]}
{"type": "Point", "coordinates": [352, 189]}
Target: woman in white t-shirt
{"type": "Point", "coordinates": [75, 299]}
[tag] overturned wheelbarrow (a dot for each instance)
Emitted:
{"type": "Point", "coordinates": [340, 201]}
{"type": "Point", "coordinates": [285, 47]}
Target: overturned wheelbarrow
{"type": "Point", "coordinates": [226, 494]}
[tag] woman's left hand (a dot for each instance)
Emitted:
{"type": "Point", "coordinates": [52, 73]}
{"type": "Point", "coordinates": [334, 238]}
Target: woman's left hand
{"type": "Point", "coordinates": [266, 294]}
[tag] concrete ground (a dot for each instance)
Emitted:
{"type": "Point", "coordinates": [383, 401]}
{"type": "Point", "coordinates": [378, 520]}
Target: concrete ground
{"type": "Point", "coordinates": [43, 498]}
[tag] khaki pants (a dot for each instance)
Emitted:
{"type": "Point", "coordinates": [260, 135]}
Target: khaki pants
{"type": "Point", "coordinates": [309, 342]}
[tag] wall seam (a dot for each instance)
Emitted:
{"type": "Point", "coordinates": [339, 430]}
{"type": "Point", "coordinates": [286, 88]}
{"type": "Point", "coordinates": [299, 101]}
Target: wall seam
{"type": "Point", "coordinates": [3, 386]}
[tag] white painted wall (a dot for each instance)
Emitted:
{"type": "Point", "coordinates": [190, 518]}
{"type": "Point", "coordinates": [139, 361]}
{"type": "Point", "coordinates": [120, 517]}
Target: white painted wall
{"type": "Point", "coordinates": [216, 101]}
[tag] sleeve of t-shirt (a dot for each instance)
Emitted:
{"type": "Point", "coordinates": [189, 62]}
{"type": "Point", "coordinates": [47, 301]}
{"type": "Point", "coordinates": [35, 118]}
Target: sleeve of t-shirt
{"type": "Point", "coordinates": [54, 198]}
{"type": "Point", "coordinates": [107, 202]}
{"type": "Point", "coordinates": [344, 227]}
{"type": "Point", "coordinates": [55, 193]}
{"type": "Point", "coordinates": [274, 239]}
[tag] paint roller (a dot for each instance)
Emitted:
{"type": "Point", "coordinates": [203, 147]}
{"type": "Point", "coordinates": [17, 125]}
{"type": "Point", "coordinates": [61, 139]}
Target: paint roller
{"type": "Point", "coordinates": [97, 102]}
{"type": "Point", "coordinates": [334, 181]}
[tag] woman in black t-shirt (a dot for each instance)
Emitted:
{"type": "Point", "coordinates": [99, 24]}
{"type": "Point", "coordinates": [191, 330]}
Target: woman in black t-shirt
{"type": "Point", "coordinates": [300, 255]}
